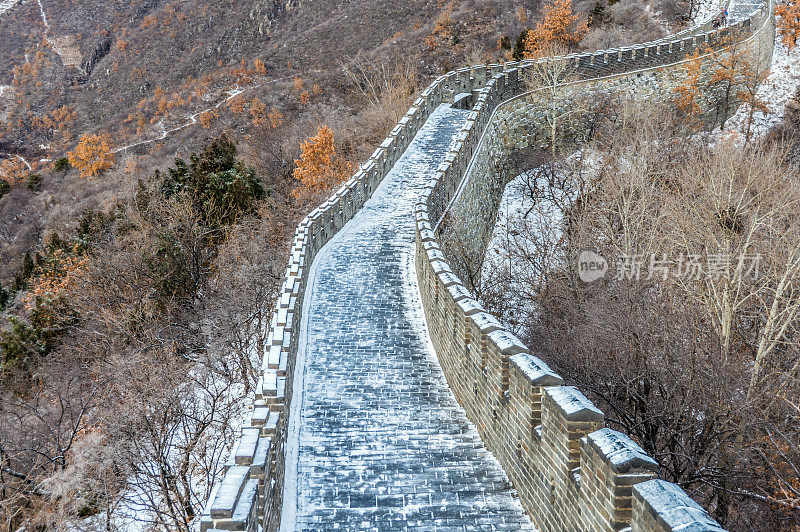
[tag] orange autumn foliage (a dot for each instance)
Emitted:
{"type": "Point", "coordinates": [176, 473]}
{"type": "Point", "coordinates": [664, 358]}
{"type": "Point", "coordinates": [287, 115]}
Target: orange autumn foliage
{"type": "Point", "coordinates": [319, 169]}
{"type": "Point", "coordinates": [61, 119]}
{"type": "Point", "coordinates": [237, 104]}
{"type": "Point", "coordinates": [789, 22]}
{"type": "Point", "coordinates": [259, 115]}
{"type": "Point", "coordinates": [275, 118]}
{"type": "Point", "coordinates": [443, 29]}
{"type": "Point", "coordinates": [559, 26]}
{"type": "Point", "coordinates": [688, 92]}
{"type": "Point", "coordinates": [259, 67]}
{"type": "Point", "coordinates": [92, 156]}
{"type": "Point", "coordinates": [207, 117]}
{"type": "Point", "coordinates": [258, 111]}
{"type": "Point", "coordinates": [58, 275]}
{"type": "Point", "coordinates": [12, 171]}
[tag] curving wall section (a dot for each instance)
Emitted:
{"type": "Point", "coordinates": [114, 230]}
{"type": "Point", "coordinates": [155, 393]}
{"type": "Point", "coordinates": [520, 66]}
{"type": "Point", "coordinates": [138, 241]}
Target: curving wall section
{"type": "Point", "coordinates": [570, 471]}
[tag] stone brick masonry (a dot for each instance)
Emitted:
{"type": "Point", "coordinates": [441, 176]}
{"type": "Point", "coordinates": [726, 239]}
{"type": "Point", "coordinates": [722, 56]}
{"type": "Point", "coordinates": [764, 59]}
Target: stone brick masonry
{"type": "Point", "coordinates": [374, 439]}
{"type": "Point", "coordinates": [383, 443]}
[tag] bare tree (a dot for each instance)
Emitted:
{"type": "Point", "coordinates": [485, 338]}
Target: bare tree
{"type": "Point", "coordinates": [549, 80]}
{"type": "Point", "coordinates": [685, 345]}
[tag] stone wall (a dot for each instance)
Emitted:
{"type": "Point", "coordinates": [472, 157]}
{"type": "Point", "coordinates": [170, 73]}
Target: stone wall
{"type": "Point", "coordinates": [250, 491]}
{"type": "Point", "coordinates": [570, 471]}
{"type": "Point", "coordinates": [519, 121]}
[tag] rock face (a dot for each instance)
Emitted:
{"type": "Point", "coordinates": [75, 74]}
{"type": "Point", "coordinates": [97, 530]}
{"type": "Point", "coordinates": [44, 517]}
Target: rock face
{"type": "Point", "coordinates": [99, 51]}
{"type": "Point", "coordinates": [353, 425]}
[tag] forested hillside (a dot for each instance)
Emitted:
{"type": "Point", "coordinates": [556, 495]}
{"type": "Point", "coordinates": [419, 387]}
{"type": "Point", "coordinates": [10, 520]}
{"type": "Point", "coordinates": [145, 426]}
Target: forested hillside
{"type": "Point", "coordinates": [155, 156]}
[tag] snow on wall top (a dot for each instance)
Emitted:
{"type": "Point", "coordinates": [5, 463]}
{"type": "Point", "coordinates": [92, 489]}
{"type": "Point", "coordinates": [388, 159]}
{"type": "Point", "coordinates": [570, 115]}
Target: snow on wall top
{"type": "Point", "coordinates": [621, 452]}
{"type": "Point", "coordinates": [675, 507]}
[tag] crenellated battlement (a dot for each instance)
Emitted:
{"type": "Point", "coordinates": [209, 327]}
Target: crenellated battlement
{"type": "Point", "coordinates": [571, 472]}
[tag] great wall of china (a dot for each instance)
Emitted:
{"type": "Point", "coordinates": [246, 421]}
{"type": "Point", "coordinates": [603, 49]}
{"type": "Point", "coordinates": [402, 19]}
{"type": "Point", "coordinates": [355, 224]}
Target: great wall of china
{"type": "Point", "coordinates": [353, 425]}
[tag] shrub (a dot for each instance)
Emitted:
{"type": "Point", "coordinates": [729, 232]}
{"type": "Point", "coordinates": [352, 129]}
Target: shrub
{"type": "Point", "coordinates": [319, 168]}
{"type": "Point", "coordinates": [21, 279]}
{"type": "Point", "coordinates": [13, 171]}
{"type": "Point", "coordinates": [519, 46]}
{"type": "Point", "coordinates": [19, 344]}
{"type": "Point", "coordinates": [62, 165]}
{"type": "Point", "coordinates": [558, 26]}
{"type": "Point", "coordinates": [92, 156]}
{"type": "Point", "coordinates": [33, 182]}
{"type": "Point", "coordinates": [789, 23]}
{"type": "Point", "coordinates": [24, 343]}
{"type": "Point", "coordinates": [167, 263]}
{"type": "Point", "coordinates": [221, 187]}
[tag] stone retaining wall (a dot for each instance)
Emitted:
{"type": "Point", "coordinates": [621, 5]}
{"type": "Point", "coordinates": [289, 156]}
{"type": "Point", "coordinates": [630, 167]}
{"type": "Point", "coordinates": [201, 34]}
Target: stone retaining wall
{"type": "Point", "coordinates": [532, 424]}
{"type": "Point", "coordinates": [571, 472]}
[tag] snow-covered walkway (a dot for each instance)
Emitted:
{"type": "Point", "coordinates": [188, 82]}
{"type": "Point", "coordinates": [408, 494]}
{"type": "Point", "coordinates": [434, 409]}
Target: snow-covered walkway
{"type": "Point", "coordinates": [383, 444]}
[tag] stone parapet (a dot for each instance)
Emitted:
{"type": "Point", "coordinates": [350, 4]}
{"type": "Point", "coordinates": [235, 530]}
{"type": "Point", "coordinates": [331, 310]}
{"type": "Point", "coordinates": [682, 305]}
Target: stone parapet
{"type": "Point", "coordinates": [570, 471]}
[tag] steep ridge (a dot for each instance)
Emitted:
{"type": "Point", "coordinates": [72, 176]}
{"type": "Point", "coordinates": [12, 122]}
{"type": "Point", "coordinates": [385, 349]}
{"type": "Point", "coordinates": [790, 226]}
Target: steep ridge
{"type": "Point", "coordinates": [345, 335]}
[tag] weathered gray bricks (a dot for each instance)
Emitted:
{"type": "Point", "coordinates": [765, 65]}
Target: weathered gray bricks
{"type": "Point", "coordinates": [571, 472]}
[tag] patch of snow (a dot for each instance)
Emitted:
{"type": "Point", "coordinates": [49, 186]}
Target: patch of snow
{"type": "Point", "coordinates": [529, 223]}
{"type": "Point", "coordinates": [776, 91]}
{"type": "Point", "coordinates": [619, 448]}
{"type": "Point", "coordinates": [5, 5]}
{"type": "Point", "coordinates": [533, 367]}
{"type": "Point", "coordinates": [675, 506]}
{"type": "Point", "coordinates": [25, 162]}
{"type": "Point", "coordinates": [572, 401]}
{"type": "Point", "coordinates": [44, 16]}
{"type": "Point", "coordinates": [706, 10]}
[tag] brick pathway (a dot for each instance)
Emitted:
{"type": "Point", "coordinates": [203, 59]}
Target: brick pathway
{"type": "Point", "coordinates": [383, 443]}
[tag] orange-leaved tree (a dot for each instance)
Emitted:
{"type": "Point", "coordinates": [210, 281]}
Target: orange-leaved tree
{"type": "Point", "coordinates": [319, 168]}
{"type": "Point", "coordinates": [688, 92]}
{"type": "Point", "coordinates": [13, 171]}
{"type": "Point", "coordinates": [258, 111]}
{"type": "Point", "coordinates": [275, 118]}
{"type": "Point", "coordinates": [92, 156]}
{"type": "Point", "coordinates": [206, 118]}
{"type": "Point", "coordinates": [259, 67]}
{"type": "Point", "coordinates": [789, 22]}
{"type": "Point", "coordinates": [558, 26]}
{"type": "Point", "coordinates": [443, 29]}
{"type": "Point", "coordinates": [736, 79]}
{"type": "Point", "coordinates": [55, 276]}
